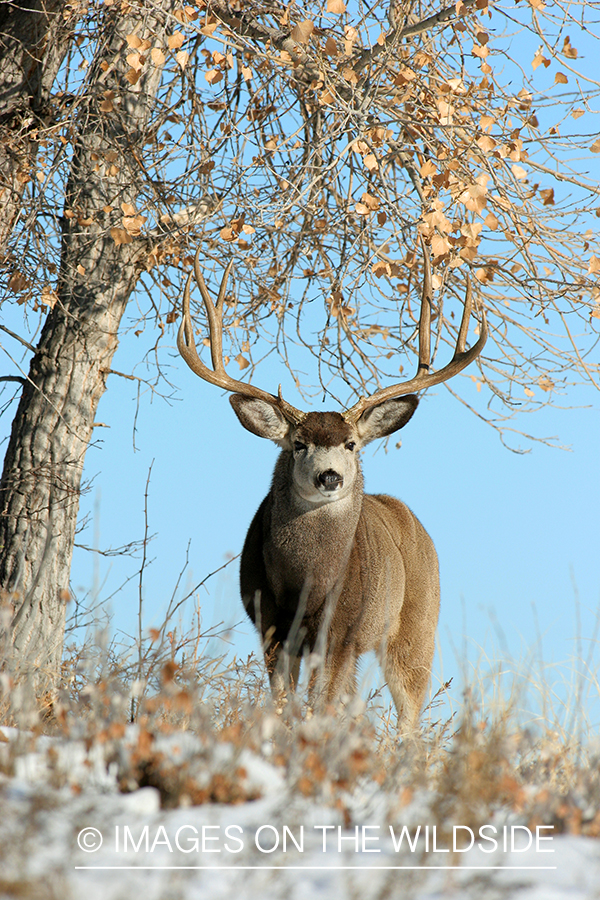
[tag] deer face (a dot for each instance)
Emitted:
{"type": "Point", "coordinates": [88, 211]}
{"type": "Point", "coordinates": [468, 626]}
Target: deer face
{"type": "Point", "coordinates": [325, 454]}
{"type": "Point", "coordinates": [324, 446]}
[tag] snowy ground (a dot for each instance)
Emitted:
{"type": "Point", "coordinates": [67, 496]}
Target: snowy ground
{"type": "Point", "coordinates": [66, 831]}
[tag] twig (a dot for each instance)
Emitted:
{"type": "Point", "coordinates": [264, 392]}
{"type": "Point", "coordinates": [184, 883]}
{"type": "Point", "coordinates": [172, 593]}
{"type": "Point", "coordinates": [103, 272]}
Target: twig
{"type": "Point", "coordinates": [141, 595]}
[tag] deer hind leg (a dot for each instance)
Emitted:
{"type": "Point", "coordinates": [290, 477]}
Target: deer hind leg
{"type": "Point", "coordinates": [407, 674]}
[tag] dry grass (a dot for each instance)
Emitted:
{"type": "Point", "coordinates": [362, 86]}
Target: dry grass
{"type": "Point", "coordinates": [194, 727]}
{"type": "Point", "coordinates": [480, 759]}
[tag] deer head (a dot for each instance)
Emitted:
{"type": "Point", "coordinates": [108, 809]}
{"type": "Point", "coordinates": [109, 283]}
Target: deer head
{"type": "Point", "coordinates": [324, 445]}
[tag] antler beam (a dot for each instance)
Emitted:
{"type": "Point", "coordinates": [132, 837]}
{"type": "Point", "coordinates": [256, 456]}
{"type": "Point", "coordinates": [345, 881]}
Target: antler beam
{"type": "Point", "coordinates": [217, 375]}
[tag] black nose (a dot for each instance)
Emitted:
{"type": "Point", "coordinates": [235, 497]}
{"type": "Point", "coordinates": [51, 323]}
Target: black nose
{"type": "Point", "coordinates": [330, 480]}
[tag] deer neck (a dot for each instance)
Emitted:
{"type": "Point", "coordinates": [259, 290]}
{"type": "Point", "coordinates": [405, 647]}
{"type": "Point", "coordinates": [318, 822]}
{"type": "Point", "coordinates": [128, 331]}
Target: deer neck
{"type": "Point", "coordinates": [308, 544]}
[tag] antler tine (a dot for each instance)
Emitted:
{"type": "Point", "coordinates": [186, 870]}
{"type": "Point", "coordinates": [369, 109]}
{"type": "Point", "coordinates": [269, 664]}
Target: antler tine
{"type": "Point", "coordinates": [425, 314]}
{"type": "Point", "coordinates": [424, 378]}
{"type": "Point", "coordinates": [214, 312]}
{"type": "Point", "coordinates": [461, 340]}
{"type": "Point", "coordinates": [185, 336]}
{"type": "Point", "coordinates": [217, 375]}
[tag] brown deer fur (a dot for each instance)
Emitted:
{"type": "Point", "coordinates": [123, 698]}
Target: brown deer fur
{"type": "Point", "coordinates": [338, 571]}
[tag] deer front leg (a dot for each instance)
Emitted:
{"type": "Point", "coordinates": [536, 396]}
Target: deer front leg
{"type": "Point", "coordinates": [282, 667]}
{"type": "Point", "coordinates": [333, 677]}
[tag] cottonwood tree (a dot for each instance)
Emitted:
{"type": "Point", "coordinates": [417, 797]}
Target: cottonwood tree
{"type": "Point", "coordinates": [316, 142]}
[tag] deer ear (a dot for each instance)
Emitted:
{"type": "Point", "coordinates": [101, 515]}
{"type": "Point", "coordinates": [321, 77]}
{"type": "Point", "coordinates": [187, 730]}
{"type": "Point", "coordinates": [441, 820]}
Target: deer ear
{"type": "Point", "coordinates": [386, 418]}
{"type": "Point", "coordinates": [260, 417]}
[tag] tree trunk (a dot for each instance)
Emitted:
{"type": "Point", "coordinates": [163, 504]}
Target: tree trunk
{"type": "Point", "coordinates": [40, 487]}
{"type": "Point", "coordinates": [34, 38]}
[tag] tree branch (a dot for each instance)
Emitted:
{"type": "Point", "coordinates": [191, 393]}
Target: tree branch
{"type": "Point", "coordinates": [367, 56]}
{"type": "Point", "coordinates": [18, 338]}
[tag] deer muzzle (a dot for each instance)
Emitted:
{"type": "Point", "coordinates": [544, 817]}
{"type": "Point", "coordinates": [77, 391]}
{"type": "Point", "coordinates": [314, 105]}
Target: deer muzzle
{"type": "Point", "coordinates": [330, 480]}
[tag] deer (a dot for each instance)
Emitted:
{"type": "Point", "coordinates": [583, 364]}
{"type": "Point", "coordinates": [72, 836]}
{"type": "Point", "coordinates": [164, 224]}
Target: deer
{"type": "Point", "coordinates": [329, 572]}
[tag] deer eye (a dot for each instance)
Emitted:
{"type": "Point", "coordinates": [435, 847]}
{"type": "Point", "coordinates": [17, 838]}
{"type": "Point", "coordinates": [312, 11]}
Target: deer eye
{"type": "Point", "coordinates": [298, 445]}
{"type": "Point", "coordinates": [350, 445]}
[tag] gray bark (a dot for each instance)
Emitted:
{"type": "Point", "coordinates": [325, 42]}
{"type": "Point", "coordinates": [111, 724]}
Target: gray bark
{"type": "Point", "coordinates": [34, 37]}
{"type": "Point", "coordinates": [40, 487]}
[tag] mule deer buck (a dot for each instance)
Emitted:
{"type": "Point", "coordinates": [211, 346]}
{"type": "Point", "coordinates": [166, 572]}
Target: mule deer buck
{"type": "Point", "coordinates": [326, 567]}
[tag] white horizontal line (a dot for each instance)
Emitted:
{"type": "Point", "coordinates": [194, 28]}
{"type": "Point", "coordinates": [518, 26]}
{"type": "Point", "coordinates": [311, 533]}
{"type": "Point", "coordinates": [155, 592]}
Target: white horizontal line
{"type": "Point", "coordinates": [309, 868]}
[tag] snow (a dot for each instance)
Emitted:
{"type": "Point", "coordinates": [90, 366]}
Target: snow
{"type": "Point", "coordinates": [282, 845]}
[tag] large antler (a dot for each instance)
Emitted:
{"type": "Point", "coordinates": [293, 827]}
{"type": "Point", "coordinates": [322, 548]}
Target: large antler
{"type": "Point", "coordinates": [424, 378]}
{"type": "Point", "coordinates": [217, 375]}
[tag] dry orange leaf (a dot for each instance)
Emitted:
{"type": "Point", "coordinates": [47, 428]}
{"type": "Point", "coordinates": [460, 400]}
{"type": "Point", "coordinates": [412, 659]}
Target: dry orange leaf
{"type": "Point", "coordinates": [213, 76]}
{"type": "Point", "coordinates": [302, 31]}
{"type": "Point", "coordinates": [428, 168]}
{"type": "Point", "coordinates": [568, 50]}
{"type": "Point", "coordinates": [381, 267]}
{"type": "Point", "coordinates": [120, 236]}
{"type": "Point", "coordinates": [209, 27]}
{"type": "Point", "coordinates": [486, 143]}
{"type": "Point", "coordinates": [439, 245]}
{"type": "Point", "coordinates": [369, 200]}
{"type": "Point", "coordinates": [539, 59]}
{"type": "Point", "coordinates": [337, 7]}
{"type": "Point", "coordinates": [135, 60]}
{"type": "Point", "coordinates": [133, 224]}
{"type": "Point", "coordinates": [48, 297]}
{"type": "Point", "coordinates": [594, 265]}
